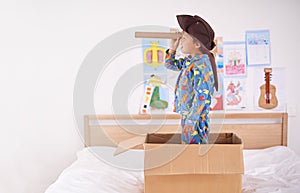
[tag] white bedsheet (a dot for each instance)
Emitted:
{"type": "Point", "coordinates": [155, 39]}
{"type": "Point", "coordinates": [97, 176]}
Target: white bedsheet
{"type": "Point", "coordinates": [272, 170]}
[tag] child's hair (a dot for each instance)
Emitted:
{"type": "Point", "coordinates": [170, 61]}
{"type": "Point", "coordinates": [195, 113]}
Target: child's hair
{"type": "Point", "coordinates": [211, 57]}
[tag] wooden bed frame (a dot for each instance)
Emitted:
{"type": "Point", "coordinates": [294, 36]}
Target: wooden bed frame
{"type": "Point", "coordinates": [257, 130]}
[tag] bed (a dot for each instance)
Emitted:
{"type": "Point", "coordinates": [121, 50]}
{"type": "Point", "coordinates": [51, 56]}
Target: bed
{"type": "Point", "coordinates": [113, 158]}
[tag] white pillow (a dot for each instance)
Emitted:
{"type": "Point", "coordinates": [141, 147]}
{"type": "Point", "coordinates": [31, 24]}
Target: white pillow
{"type": "Point", "coordinates": [132, 159]}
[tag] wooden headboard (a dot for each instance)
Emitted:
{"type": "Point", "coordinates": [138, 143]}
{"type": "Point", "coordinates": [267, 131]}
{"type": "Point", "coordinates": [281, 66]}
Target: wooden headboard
{"type": "Point", "coordinates": [257, 130]}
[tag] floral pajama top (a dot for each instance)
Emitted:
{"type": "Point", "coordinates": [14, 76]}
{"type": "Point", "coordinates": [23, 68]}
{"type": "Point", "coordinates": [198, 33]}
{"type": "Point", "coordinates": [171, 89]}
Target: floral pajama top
{"type": "Point", "coordinates": [193, 91]}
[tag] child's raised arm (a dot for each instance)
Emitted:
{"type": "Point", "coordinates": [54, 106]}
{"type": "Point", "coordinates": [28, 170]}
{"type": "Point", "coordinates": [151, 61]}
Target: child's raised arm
{"type": "Point", "coordinates": [170, 61]}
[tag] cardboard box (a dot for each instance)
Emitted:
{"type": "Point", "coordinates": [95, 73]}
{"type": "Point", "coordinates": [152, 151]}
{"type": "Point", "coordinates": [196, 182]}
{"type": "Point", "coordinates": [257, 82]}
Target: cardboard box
{"type": "Point", "coordinates": [172, 167]}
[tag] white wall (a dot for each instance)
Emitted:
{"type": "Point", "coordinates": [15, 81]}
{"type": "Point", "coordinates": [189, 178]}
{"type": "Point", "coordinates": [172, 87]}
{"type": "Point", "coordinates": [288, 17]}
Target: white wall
{"type": "Point", "coordinates": [43, 44]}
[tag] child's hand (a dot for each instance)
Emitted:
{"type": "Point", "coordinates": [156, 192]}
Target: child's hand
{"type": "Point", "coordinates": [174, 43]}
{"type": "Point", "coordinates": [187, 129]}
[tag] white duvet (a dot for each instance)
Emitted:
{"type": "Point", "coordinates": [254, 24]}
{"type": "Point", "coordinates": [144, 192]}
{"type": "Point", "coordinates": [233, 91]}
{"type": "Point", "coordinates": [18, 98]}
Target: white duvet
{"type": "Point", "coordinates": [271, 170]}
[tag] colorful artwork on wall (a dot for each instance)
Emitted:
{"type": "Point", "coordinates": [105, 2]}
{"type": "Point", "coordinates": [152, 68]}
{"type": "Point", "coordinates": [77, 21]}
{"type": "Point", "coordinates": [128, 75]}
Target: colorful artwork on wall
{"type": "Point", "coordinates": [258, 47]}
{"type": "Point", "coordinates": [217, 99]}
{"type": "Point", "coordinates": [156, 92]}
{"type": "Point", "coordinates": [234, 59]}
{"type": "Point", "coordinates": [234, 93]}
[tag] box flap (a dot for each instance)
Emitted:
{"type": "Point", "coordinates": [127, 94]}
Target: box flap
{"type": "Point", "coordinates": [164, 155]}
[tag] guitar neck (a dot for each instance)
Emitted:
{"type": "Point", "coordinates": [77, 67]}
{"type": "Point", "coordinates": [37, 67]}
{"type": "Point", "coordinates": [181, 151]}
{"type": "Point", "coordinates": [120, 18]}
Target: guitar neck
{"type": "Point", "coordinates": [267, 76]}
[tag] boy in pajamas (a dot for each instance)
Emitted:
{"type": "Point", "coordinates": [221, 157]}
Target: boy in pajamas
{"type": "Point", "coordinates": [197, 77]}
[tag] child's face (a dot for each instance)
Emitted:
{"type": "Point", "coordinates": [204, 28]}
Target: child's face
{"type": "Point", "coordinates": [188, 45]}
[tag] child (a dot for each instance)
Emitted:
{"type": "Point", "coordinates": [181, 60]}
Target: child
{"type": "Point", "coordinates": [197, 77]}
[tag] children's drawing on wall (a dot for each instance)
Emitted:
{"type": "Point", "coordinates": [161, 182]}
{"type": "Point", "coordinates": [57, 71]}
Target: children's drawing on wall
{"type": "Point", "coordinates": [218, 51]}
{"type": "Point", "coordinates": [155, 95]}
{"type": "Point", "coordinates": [156, 92]}
{"type": "Point", "coordinates": [234, 59]}
{"type": "Point", "coordinates": [157, 101]}
{"type": "Point", "coordinates": [217, 99]}
{"type": "Point", "coordinates": [154, 54]}
{"type": "Point", "coordinates": [258, 47]}
{"type": "Point", "coordinates": [234, 93]}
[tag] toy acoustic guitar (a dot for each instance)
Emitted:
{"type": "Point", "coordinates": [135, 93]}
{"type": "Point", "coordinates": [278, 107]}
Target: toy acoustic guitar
{"type": "Point", "coordinates": [267, 98]}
